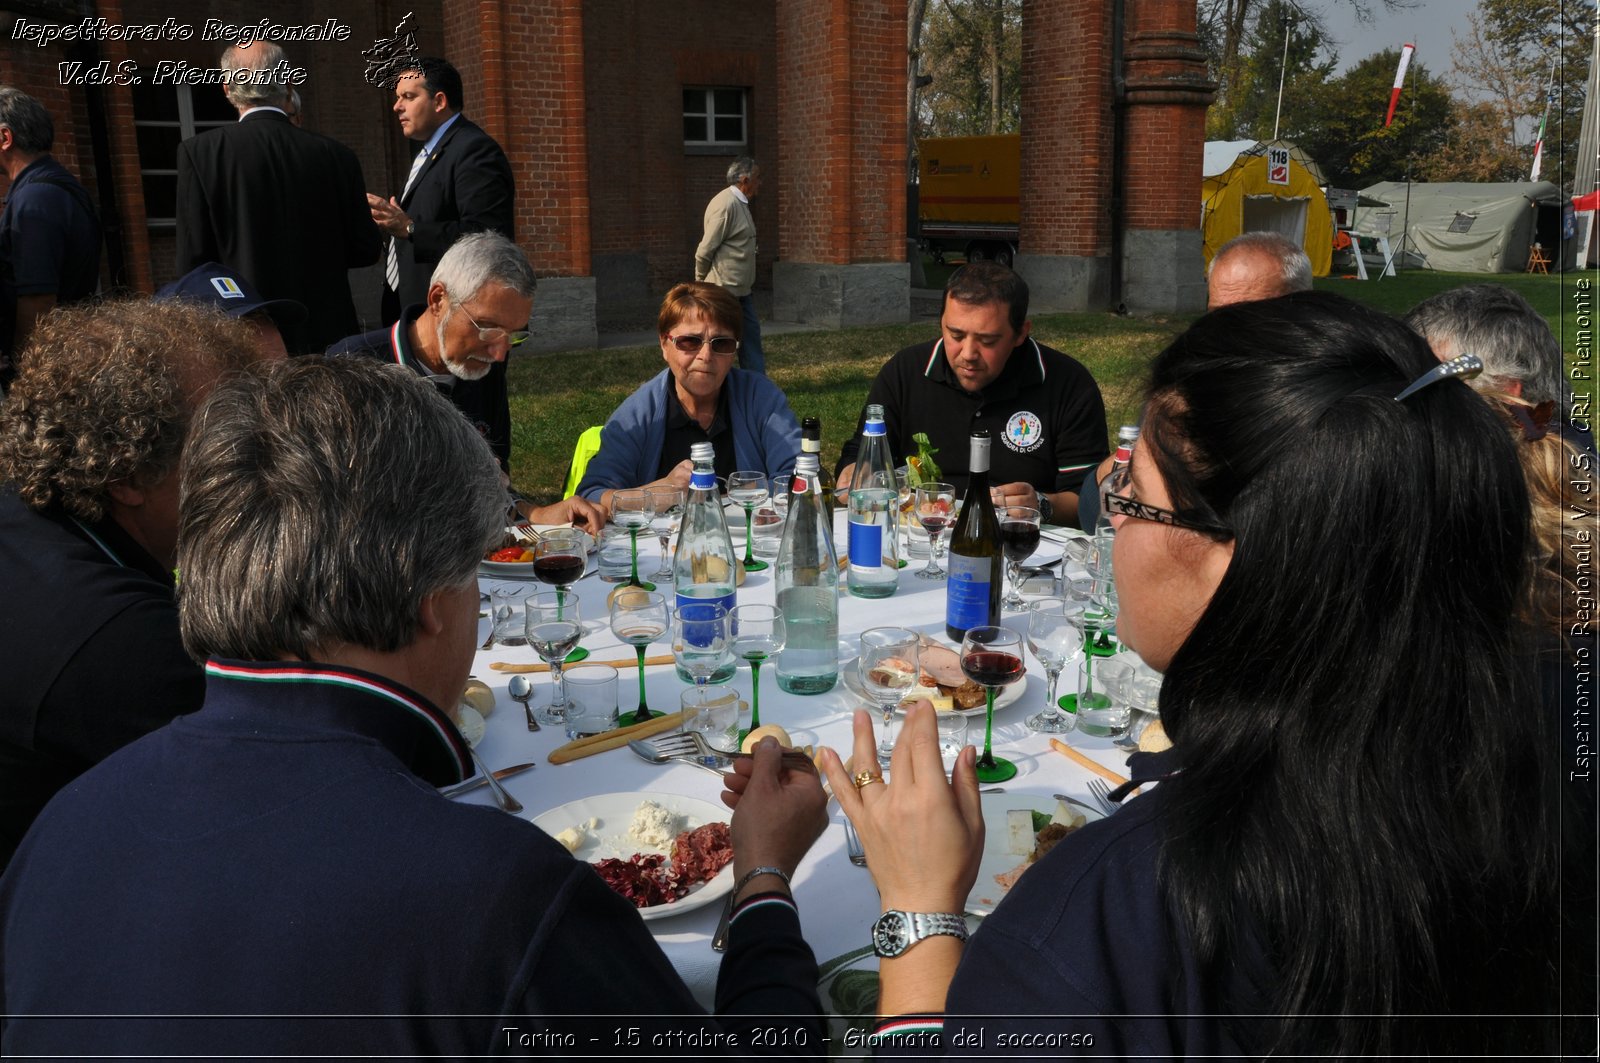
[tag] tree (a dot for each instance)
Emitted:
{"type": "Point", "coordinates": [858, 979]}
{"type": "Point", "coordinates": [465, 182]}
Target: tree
{"type": "Point", "coordinates": [1476, 149]}
{"type": "Point", "coordinates": [1345, 132]}
{"type": "Point", "coordinates": [1250, 112]}
{"type": "Point", "coordinates": [1495, 98]}
{"type": "Point", "coordinates": [973, 51]}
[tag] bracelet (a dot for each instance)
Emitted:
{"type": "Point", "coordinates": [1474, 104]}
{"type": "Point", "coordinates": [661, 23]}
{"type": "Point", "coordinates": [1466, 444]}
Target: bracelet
{"type": "Point", "coordinates": [744, 879]}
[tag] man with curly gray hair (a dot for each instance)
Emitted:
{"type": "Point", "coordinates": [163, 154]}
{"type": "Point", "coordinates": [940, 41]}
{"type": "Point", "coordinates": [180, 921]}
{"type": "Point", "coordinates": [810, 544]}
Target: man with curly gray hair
{"type": "Point", "coordinates": [90, 438]}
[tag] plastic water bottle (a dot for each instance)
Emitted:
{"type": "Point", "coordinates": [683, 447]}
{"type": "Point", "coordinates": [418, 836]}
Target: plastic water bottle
{"type": "Point", "coordinates": [874, 507]}
{"type": "Point", "coordinates": [806, 575]}
{"type": "Point", "coordinates": [704, 566]}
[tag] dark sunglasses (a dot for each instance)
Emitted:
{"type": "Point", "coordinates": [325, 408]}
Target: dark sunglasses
{"type": "Point", "coordinates": [718, 344]}
{"type": "Point", "coordinates": [1123, 506]}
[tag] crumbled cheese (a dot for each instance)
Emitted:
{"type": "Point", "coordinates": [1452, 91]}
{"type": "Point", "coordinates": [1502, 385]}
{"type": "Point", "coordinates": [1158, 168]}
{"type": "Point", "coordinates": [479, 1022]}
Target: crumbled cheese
{"type": "Point", "coordinates": [572, 839]}
{"type": "Point", "coordinates": [653, 826]}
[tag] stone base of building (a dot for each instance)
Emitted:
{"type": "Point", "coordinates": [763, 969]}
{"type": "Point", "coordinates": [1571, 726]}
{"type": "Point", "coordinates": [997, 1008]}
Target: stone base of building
{"type": "Point", "coordinates": [1060, 284]}
{"type": "Point", "coordinates": [868, 293]}
{"type": "Point", "coordinates": [1163, 271]}
{"type": "Point", "coordinates": [563, 316]}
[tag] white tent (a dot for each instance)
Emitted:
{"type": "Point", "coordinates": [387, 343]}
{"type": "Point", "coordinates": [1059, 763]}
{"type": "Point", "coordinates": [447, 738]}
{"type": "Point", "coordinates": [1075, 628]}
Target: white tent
{"type": "Point", "coordinates": [1464, 227]}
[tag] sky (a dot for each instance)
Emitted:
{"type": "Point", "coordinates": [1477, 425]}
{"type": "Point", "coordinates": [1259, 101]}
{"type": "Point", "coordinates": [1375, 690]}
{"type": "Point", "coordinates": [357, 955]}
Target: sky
{"type": "Point", "coordinates": [1426, 25]}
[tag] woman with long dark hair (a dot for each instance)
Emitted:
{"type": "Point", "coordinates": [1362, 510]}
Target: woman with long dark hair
{"type": "Point", "coordinates": [1352, 848]}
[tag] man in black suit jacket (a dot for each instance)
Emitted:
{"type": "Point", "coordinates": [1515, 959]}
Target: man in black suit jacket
{"type": "Point", "coordinates": [460, 182]}
{"type": "Point", "coordinates": [280, 205]}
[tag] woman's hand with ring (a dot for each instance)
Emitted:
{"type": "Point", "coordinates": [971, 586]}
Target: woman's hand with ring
{"type": "Point", "coordinates": [923, 834]}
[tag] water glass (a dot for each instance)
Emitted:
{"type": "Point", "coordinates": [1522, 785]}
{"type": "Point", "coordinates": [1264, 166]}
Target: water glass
{"type": "Point", "coordinates": [630, 510]}
{"type": "Point", "coordinates": [553, 629]}
{"type": "Point", "coordinates": [615, 555]}
{"type": "Point", "coordinates": [952, 738]}
{"type": "Point", "coordinates": [700, 643]}
{"type": "Point", "coordinates": [767, 531]}
{"type": "Point", "coordinates": [505, 604]}
{"type": "Point", "coordinates": [758, 634]}
{"type": "Point", "coordinates": [748, 490]}
{"type": "Point", "coordinates": [1055, 635]}
{"type": "Point", "coordinates": [1103, 707]}
{"type": "Point", "coordinates": [889, 665]}
{"type": "Point", "coordinates": [714, 713]}
{"type": "Point", "coordinates": [667, 504]}
{"type": "Point", "coordinates": [592, 699]}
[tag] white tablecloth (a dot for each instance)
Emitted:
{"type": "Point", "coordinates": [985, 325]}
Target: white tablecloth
{"type": "Point", "coordinates": [836, 899]}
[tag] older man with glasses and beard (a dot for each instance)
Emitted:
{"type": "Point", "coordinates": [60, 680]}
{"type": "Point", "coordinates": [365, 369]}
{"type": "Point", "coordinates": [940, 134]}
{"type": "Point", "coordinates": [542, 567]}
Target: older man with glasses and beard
{"type": "Point", "coordinates": [476, 311]}
{"type": "Point", "coordinates": [277, 870]}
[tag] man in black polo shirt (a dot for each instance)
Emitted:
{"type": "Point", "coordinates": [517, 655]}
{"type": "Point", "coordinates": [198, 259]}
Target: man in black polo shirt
{"type": "Point", "coordinates": [476, 311]}
{"type": "Point", "coordinates": [87, 538]}
{"type": "Point", "coordinates": [1041, 407]}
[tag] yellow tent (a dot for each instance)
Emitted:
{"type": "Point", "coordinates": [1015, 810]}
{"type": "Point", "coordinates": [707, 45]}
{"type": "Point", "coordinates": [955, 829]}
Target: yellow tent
{"type": "Point", "coordinates": [1245, 189]}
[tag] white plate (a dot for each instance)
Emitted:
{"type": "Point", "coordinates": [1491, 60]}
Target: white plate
{"type": "Point", "coordinates": [524, 569]}
{"type": "Point", "coordinates": [1047, 554]}
{"type": "Point", "coordinates": [851, 675]}
{"type": "Point", "coordinates": [997, 857]}
{"type": "Point", "coordinates": [610, 838]}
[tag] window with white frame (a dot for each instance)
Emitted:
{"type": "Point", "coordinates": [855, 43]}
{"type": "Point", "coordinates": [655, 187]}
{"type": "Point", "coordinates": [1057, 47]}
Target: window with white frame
{"type": "Point", "coordinates": [715, 117]}
{"type": "Point", "coordinates": [163, 117]}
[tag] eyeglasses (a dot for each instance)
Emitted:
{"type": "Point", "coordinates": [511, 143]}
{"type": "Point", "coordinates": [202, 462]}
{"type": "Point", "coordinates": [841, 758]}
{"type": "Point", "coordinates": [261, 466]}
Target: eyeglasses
{"type": "Point", "coordinates": [489, 335]}
{"type": "Point", "coordinates": [1123, 506]}
{"type": "Point", "coordinates": [723, 345]}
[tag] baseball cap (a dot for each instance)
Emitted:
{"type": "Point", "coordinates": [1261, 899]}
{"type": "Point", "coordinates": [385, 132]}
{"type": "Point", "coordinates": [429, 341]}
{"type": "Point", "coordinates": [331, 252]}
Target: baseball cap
{"type": "Point", "coordinates": [214, 284]}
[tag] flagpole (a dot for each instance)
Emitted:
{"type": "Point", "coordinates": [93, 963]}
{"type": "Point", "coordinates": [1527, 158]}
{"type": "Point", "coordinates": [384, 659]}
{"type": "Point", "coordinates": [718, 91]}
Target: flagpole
{"type": "Point", "coordinates": [1538, 144]}
{"type": "Point", "coordinates": [1283, 68]}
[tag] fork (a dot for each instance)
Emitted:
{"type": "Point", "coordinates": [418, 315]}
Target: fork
{"type": "Point", "coordinates": [1102, 796]}
{"type": "Point", "coordinates": [524, 533]}
{"type": "Point", "coordinates": [693, 743]}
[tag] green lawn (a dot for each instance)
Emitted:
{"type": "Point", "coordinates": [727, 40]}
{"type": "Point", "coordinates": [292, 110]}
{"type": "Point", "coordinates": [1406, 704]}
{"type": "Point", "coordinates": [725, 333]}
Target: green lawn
{"type": "Point", "coordinates": [826, 374]}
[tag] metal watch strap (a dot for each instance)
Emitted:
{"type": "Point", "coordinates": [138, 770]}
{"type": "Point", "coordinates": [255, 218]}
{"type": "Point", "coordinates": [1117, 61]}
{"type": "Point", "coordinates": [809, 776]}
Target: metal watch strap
{"type": "Point", "coordinates": [1045, 507]}
{"type": "Point", "coordinates": [933, 924]}
{"type": "Point", "coordinates": [917, 926]}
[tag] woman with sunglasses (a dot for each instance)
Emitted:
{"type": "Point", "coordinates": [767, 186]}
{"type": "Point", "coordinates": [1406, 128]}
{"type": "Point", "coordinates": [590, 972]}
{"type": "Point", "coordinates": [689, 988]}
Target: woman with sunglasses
{"type": "Point", "coordinates": [1352, 849]}
{"type": "Point", "coordinates": [700, 397]}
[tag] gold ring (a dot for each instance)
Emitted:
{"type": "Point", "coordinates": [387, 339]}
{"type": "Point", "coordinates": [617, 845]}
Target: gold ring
{"type": "Point", "coordinates": [865, 778]}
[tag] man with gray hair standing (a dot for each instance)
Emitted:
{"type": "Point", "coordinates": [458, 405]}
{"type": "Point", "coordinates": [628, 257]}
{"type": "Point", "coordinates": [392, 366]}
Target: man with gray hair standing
{"type": "Point", "coordinates": [1254, 266]}
{"type": "Point", "coordinates": [277, 869]}
{"type": "Point", "coordinates": [726, 256]}
{"type": "Point", "coordinates": [476, 310]}
{"type": "Point", "coordinates": [282, 206]}
{"type": "Point", "coordinates": [49, 236]}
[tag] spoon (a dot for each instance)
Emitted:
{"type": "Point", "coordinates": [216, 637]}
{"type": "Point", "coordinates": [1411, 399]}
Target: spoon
{"type": "Point", "coordinates": [521, 690]}
{"type": "Point", "coordinates": [506, 802]}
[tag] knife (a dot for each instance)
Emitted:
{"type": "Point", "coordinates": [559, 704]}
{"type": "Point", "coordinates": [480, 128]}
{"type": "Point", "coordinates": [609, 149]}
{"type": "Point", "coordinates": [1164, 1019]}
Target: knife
{"type": "Point", "coordinates": [472, 784]}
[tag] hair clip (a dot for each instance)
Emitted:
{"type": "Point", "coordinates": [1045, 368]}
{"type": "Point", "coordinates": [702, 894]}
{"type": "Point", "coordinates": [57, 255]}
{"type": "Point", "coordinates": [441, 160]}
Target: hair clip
{"type": "Point", "coordinates": [1463, 365]}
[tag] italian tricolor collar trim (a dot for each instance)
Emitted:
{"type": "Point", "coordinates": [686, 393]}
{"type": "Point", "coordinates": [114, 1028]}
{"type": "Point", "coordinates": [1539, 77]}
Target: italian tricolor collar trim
{"type": "Point", "coordinates": [349, 679]}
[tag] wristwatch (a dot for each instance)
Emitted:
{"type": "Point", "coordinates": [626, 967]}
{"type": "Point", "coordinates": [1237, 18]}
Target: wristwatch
{"type": "Point", "coordinates": [1045, 507]}
{"type": "Point", "coordinates": [895, 931]}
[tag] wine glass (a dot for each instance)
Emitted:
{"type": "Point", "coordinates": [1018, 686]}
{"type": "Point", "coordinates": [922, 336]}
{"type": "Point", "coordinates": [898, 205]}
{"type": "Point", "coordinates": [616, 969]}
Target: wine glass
{"type": "Point", "coordinates": [631, 510]}
{"type": "Point", "coordinates": [889, 666]}
{"type": "Point", "coordinates": [639, 617]}
{"type": "Point", "coordinates": [749, 490]}
{"type": "Point", "coordinates": [758, 635]}
{"type": "Point", "coordinates": [936, 509]}
{"type": "Point", "coordinates": [1055, 635]}
{"type": "Point", "coordinates": [992, 658]}
{"type": "Point", "coordinates": [558, 560]}
{"type": "Point", "coordinates": [554, 628]}
{"type": "Point", "coordinates": [667, 504]}
{"type": "Point", "coordinates": [1019, 538]}
{"type": "Point", "coordinates": [700, 641]}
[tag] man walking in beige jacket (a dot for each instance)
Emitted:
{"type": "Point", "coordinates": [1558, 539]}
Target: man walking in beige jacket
{"type": "Point", "coordinates": [726, 256]}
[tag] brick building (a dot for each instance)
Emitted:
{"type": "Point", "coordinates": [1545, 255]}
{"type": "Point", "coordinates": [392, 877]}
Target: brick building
{"type": "Point", "coordinates": [620, 116]}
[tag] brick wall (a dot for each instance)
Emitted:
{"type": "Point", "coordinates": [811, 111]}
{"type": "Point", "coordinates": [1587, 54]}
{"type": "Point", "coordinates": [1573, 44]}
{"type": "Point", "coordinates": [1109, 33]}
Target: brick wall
{"type": "Point", "coordinates": [1066, 128]}
{"type": "Point", "coordinates": [841, 98]}
{"type": "Point", "coordinates": [1167, 96]}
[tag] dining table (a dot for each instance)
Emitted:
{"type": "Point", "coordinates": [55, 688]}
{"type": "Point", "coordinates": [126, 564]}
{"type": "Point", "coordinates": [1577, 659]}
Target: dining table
{"type": "Point", "coordinates": [835, 897]}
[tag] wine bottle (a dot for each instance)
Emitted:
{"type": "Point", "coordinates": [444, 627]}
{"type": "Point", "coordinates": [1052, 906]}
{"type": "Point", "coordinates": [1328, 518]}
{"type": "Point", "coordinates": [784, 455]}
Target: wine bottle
{"type": "Point", "coordinates": [703, 567]}
{"type": "Point", "coordinates": [874, 512]}
{"type": "Point", "coordinates": [811, 443]}
{"type": "Point", "coordinates": [972, 591]}
{"type": "Point", "coordinates": [806, 578]}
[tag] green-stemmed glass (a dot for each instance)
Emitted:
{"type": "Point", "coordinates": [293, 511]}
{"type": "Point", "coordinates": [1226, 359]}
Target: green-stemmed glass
{"type": "Point", "coordinates": [992, 658]}
{"type": "Point", "coordinates": [638, 617]}
{"type": "Point", "coordinates": [758, 635]}
{"type": "Point", "coordinates": [749, 490]}
{"type": "Point", "coordinates": [559, 560]}
{"type": "Point", "coordinates": [633, 511]}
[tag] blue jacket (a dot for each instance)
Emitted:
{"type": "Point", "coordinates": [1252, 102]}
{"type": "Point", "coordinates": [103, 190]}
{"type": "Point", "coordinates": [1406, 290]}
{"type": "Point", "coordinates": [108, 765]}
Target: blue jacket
{"type": "Point", "coordinates": [766, 435]}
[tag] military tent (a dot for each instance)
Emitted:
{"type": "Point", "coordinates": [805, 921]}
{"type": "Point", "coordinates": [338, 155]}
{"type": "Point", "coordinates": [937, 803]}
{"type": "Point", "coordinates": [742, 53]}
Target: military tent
{"type": "Point", "coordinates": [1242, 192]}
{"type": "Point", "coordinates": [1469, 227]}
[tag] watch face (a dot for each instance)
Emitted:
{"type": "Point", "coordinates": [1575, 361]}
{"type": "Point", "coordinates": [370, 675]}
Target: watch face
{"type": "Point", "coordinates": [889, 935]}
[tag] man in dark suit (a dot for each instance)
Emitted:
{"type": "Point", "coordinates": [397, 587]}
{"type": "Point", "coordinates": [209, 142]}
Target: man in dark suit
{"type": "Point", "coordinates": [280, 205]}
{"type": "Point", "coordinates": [460, 182]}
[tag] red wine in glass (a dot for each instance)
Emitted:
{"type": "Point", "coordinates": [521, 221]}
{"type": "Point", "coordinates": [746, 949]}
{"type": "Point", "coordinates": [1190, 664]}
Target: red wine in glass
{"type": "Point", "coordinates": [1019, 539]}
{"type": "Point", "coordinates": [991, 668]}
{"type": "Point", "coordinates": [935, 523]}
{"type": "Point", "coordinates": [561, 570]}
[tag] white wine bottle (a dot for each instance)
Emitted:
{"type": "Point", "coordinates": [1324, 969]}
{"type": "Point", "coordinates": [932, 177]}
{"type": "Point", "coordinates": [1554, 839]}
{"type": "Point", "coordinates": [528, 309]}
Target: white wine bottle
{"type": "Point", "coordinates": [972, 591]}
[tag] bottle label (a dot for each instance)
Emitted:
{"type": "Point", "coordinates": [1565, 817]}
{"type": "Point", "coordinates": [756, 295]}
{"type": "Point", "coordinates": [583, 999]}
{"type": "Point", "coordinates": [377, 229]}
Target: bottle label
{"type": "Point", "coordinates": [866, 546]}
{"type": "Point", "coordinates": [693, 607]}
{"type": "Point", "coordinates": [967, 589]}
{"type": "Point", "coordinates": [874, 428]}
{"type": "Point", "coordinates": [703, 481]}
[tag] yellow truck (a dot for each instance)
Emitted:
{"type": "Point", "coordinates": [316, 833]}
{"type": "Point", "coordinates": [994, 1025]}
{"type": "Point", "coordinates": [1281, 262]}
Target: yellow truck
{"type": "Point", "coordinates": [968, 196]}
